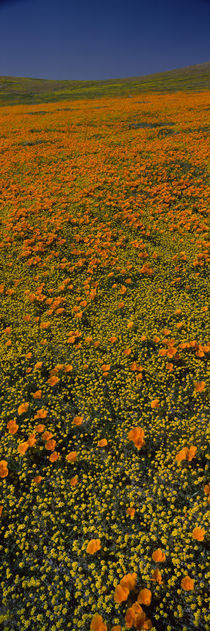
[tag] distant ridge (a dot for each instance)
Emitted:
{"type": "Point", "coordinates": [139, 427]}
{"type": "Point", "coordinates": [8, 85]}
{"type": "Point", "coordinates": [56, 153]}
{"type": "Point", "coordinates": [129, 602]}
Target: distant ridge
{"type": "Point", "coordinates": [14, 90]}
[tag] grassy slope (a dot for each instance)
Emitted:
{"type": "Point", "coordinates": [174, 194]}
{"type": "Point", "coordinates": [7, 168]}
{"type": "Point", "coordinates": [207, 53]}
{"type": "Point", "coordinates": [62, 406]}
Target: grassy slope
{"type": "Point", "coordinates": [27, 90]}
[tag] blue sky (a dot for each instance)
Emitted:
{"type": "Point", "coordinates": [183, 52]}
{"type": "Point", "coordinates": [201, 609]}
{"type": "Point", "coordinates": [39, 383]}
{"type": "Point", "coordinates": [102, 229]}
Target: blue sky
{"type": "Point", "coordinates": [101, 39]}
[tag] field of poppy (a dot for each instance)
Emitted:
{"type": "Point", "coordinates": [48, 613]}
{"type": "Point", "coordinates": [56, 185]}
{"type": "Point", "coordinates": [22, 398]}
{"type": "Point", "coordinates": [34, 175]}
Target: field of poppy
{"type": "Point", "coordinates": [103, 340]}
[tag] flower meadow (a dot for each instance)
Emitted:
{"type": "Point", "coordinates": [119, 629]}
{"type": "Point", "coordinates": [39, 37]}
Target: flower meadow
{"type": "Point", "coordinates": [103, 340]}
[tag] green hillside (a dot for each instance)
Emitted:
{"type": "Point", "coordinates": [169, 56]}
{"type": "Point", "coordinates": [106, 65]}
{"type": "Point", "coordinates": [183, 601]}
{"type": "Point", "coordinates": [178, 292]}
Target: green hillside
{"type": "Point", "coordinates": [14, 90]}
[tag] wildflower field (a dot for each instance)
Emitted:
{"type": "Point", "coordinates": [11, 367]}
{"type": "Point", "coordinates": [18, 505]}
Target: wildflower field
{"type": "Point", "coordinates": [103, 341]}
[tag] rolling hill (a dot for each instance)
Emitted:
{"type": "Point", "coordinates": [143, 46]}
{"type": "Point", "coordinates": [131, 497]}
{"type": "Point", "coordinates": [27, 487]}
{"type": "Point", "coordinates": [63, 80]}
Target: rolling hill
{"type": "Point", "coordinates": [17, 90]}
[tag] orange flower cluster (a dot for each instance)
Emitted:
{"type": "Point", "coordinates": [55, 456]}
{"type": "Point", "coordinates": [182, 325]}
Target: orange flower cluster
{"type": "Point", "coordinates": [186, 454]}
{"type": "Point", "coordinates": [136, 617]}
{"type": "Point", "coordinates": [65, 232]}
{"type": "Point", "coordinates": [123, 589]}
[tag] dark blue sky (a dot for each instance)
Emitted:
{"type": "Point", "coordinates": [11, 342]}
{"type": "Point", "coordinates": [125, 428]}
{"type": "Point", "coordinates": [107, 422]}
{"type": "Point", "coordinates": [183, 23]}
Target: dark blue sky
{"type": "Point", "coordinates": [101, 39]}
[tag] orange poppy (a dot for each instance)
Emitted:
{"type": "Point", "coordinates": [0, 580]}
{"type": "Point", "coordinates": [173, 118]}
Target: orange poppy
{"type": "Point", "coordinates": [156, 576]}
{"type": "Point", "coordinates": [37, 479]}
{"type": "Point", "coordinates": [40, 428]}
{"type": "Point", "coordinates": [130, 618]}
{"type": "Point", "coordinates": [144, 597]}
{"type": "Point", "coordinates": [186, 454]}
{"type": "Point", "coordinates": [45, 325]}
{"type": "Point", "coordinates": [88, 339]}
{"type": "Point", "coordinates": [73, 481]}
{"type": "Point", "coordinates": [37, 394]}
{"type": "Point", "coordinates": [97, 623]}
{"type": "Point", "coordinates": [22, 448]}
{"type": "Point", "coordinates": [170, 366]}
{"type": "Point", "coordinates": [135, 616]}
{"type": "Point", "coordinates": [77, 420]}
{"type": "Point", "coordinates": [72, 456]}
{"type": "Point", "coordinates": [199, 386]}
{"type": "Point", "coordinates": [191, 452]}
{"type": "Point", "coordinates": [154, 403]}
{"type": "Point", "coordinates": [105, 367]}
{"type": "Point", "coordinates": [207, 489]}
{"type": "Point", "coordinates": [147, 624]}
{"type": "Point", "coordinates": [158, 556]}
{"type": "Point", "coordinates": [139, 377]}
{"type": "Point", "coordinates": [50, 444]}
{"type": "Point", "coordinates": [8, 343]}
{"type": "Point", "coordinates": [198, 533]}
{"type": "Point", "coordinates": [3, 469]}
{"type": "Point", "coordinates": [54, 456]}
{"type": "Point", "coordinates": [187, 583]}
{"type": "Point", "coordinates": [53, 380]}
{"type": "Point", "coordinates": [8, 329]}
{"type": "Point", "coordinates": [31, 440]}
{"type": "Point", "coordinates": [130, 324]}
{"type": "Point", "coordinates": [156, 339]}
{"type": "Point", "coordinates": [121, 593]}
{"type": "Point", "coordinates": [38, 365]}
{"type": "Point", "coordinates": [136, 434]}
{"type": "Point", "coordinates": [131, 512]}
{"type": "Point", "coordinates": [93, 546]}
{"type": "Point", "coordinates": [129, 581]}
{"type": "Point", "coordinates": [182, 454]}
{"type": "Point", "coordinates": [23, 407]}
{"type": "Point", "coordinates": [141, 621]}
{"type": "Point", "coordinates": [102, 442]}
{"type": "Point", "coordinates": [12, 426]}
{"type": "Point", "coordinates": [46, 435]}
{"type": "Point", "coordinates": [123, 290]}
{"type": "Point", "coordinates": [41, 414]}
